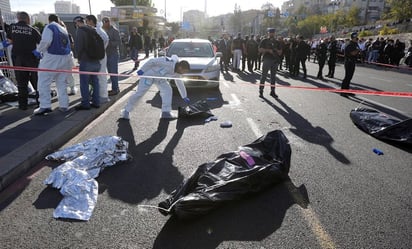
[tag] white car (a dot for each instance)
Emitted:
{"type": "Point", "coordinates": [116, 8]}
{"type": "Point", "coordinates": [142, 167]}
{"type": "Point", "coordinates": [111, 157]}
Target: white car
{"type": "Point", "coordinates": [203, 61]}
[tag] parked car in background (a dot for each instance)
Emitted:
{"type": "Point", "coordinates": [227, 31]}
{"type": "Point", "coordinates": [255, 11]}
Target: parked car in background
{"type": "Point", "coordinates": [204, 62]}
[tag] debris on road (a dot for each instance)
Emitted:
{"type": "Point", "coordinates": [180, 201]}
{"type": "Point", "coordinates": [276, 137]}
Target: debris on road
{"type": "Point", "coordinates": [75, 177]}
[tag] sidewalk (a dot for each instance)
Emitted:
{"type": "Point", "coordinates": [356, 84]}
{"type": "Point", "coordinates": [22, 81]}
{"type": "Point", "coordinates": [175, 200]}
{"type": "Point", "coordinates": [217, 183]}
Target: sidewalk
{"type": "Point", "coordinates": [26, 139]}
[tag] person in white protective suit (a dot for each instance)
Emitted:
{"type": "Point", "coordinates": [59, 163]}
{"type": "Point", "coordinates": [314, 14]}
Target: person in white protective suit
{"type": "Point", "coordinates": [57, 55]}
{"type": "Point", "coordinates": [160, 69]}
{"type": "Point", "coordinates": [91, 20]}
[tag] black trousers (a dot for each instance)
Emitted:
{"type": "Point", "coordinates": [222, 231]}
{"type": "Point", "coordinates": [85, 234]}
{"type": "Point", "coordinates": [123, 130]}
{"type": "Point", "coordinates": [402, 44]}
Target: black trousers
{"type": "Point", "coordinates": [331, 65]}
{"type": "Point", "coordinates": [24, 77]}
{"type": "Point", "coordinates": [349, 71]}
{"type": "Point", "coordinates": [272, 65]}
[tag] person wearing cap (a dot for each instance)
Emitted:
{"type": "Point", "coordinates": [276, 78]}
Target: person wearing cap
{"type": "Point", "coordinates": [351, 55]}
{"type": "Point", "coordinates": [57, 55]}
{"type": "Point", "coordinates": [271, 51]}
{"type": "Point", "coordinates": [86, 64]}
{"type": "Point", "coordinates": [157, 70]}
{"type": "Point", "coordinates": [112, 53]}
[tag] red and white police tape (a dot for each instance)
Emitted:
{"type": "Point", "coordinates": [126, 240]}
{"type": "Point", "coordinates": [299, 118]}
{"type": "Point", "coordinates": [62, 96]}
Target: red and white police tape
{"type": "Point", "coordinates": [324, 89]}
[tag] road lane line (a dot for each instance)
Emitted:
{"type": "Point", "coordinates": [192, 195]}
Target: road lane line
{"type": "Point", "coordinates": [323, 238]}
{"type": "Point", "coordinates": [376, 78]}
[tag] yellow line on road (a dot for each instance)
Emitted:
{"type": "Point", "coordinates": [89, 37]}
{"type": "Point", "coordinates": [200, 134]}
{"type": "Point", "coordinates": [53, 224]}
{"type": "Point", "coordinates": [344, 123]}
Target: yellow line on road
{"type": "Point", "coordinates": [323, 238]}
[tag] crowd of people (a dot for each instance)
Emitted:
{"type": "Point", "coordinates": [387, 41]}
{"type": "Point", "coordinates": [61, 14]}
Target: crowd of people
{"type": "Point", "coordinates": [250, 52]}
{"type": "Point", "coordinates": [54, 49]}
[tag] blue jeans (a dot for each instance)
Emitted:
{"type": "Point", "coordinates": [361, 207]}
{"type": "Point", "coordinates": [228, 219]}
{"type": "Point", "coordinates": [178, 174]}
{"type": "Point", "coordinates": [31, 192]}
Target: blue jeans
{"type": "Point", "coordinates": [113, 67]}
{"type": "Point", "coordinates": [86, 79]}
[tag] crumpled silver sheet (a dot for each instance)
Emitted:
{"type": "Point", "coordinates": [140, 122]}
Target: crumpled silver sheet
{"type": "Point", "coordinates": [75, 177]}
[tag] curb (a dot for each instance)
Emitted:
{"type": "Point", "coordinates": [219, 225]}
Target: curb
{"type": "Point", "coordinates": [18, 162]}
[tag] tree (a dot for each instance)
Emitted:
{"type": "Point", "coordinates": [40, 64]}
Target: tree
{"type": "Point", "coordinates": [353, 16]}
{"type": "Point", "coordinates": [399, 9]}
{"type": "Point", "coordinates": [147, 3]}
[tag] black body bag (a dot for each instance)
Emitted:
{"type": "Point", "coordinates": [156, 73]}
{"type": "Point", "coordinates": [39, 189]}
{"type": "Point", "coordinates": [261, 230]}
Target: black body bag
{"type": "Point", "coordinates": [382, 126]}
{"type": "Point", "coordinates": [232, 176]}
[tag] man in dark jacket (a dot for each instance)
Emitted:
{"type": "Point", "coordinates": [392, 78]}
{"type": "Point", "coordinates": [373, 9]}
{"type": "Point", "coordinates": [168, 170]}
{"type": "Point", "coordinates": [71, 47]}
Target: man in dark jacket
{"type": "Point", "coordinates": [24, 54]}
{"type": "Point", "coordinates": [333, 49]}
{"type": "Point", "coordinates": [271, 50]}
{"type": "Point", "coordinates": [135, 44]}
{"type": "Point", "coordinates": [351, 54]}
{"type": "Point", "coordinates": [302, 52]}
{"type": "Point", "coordinates": [112, 52]}
{"type": "Point", "coordinates": [224, 47]}
{"type": "Point", "coordinates": [321, 54]}
{"type": "Point", "coordinates": [86, 64]}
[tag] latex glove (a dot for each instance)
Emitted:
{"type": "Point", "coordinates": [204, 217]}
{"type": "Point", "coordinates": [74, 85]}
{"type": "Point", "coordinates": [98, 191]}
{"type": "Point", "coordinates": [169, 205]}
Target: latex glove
{"type": "Point", "coordinates": [186, 100]}
{"type": "Point", "coordinates": [37, 54]}
{"type": "Point", "coordinates": [140, 72]}
{"type": "Point", "coordinates": [5, 43]}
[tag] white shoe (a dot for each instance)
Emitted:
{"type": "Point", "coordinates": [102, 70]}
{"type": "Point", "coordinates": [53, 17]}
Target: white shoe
{"type": "Point", "coordinates": [124, 114]}
{"type": "Point", "coordinates": [41, 111]}
{"type": "Point", "coordinates": [73, 91]}
{"type": "Point", "coordinates": [168, 115]}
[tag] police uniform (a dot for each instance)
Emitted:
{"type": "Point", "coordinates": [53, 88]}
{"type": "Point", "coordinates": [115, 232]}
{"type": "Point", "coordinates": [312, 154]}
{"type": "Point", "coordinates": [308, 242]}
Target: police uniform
{"type": "Point", "coordinates": [270, 62]}
{"type": "Point", "coordinates": [25, 38]}
{"type": "Point", "coordinates": [351, 55]}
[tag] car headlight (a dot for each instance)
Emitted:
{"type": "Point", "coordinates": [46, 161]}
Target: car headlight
{"type": "Point", "coordinates": [212, 68]}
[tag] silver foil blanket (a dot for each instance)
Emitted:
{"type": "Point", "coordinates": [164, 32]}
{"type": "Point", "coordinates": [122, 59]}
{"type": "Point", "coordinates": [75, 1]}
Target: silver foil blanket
{"type": "Point", "coordinates": [75, 177]}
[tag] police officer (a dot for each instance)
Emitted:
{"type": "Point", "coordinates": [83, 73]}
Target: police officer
{"type": "Point", "coordinates": [271, 50]}
{"type": "Point", "coordinates": [24, 54]}
{"type": "Point", "coordinates": [351, 54]}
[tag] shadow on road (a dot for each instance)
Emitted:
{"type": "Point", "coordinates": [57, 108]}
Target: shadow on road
{"type": "Point", "coordinates": [305, 130]}
{"type": "Point", "coordinates": [253, 219]}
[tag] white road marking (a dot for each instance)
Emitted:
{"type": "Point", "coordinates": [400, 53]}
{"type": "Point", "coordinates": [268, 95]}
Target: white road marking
{"type": "Point", "coordinates": [323, 238]}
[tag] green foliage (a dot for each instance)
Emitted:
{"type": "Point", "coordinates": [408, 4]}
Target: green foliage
{"type": "Point", "coordinates": [130, 2]}
{"type": "Point", "coordinates": [399, 10]}
{"type": "Point", "coordinates": [353, 16]}
{"type": "Point", "coordinates": [39, 25]}
{"type": "Point", "coordinates": [365, 33]}
{"type": "Point", "coordinates": [388, 31]}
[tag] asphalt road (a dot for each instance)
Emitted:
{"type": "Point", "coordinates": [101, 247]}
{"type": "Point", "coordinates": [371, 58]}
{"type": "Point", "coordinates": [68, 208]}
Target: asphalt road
{"type": "Point", "coordinates": [341, 194]}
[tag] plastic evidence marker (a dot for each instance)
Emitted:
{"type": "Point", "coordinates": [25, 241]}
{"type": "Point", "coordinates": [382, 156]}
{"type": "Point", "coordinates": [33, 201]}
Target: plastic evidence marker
{"type": "Point", "coordinates": [377, 151]}
{"type": "Point", "coordinates": [226, 124]}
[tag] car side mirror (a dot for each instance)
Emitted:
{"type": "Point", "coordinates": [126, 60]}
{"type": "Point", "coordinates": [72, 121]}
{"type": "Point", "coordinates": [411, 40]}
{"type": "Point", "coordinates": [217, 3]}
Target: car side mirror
{"type": "Point", "coordinates": [219, 54]}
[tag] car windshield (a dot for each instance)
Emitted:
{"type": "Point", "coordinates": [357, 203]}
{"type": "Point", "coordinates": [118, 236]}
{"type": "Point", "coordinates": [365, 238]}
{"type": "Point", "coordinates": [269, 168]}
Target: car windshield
{"type": "Point", "coordinates": [190, 49]}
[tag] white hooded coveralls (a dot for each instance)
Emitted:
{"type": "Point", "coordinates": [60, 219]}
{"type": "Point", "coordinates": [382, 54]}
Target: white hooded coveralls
{"type": "Point", "coordinates": [53, 61]}
{"type": "Point", "coordinates": [158, 67]}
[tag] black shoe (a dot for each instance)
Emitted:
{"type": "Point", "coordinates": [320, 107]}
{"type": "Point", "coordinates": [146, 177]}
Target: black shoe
{"type": "Point", "coordinates": [347, 94]}
{"type": "Point", "coordinates": [23, 107]}
{"type": "Point", "coordinates": [80, 107]}
{"type": "Point", "coordinates": [94, 106]}
{"type": "Point", "coordinates": [274, 95]}
{"type": "Point", "coordinates": [260, 94]}
{"type": "Point", "coordinates": [113, 92]}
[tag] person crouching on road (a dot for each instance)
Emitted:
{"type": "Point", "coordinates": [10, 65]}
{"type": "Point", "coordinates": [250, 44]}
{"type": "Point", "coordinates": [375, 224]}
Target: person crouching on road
{"type": "Point", "coordinates": [159, 67]}
{"type": "Point", "coordinates": [57, 55]}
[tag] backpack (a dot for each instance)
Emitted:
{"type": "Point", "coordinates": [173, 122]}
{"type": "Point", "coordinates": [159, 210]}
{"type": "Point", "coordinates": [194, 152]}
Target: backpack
{"type": "Point", "coordinates": [95, 45]}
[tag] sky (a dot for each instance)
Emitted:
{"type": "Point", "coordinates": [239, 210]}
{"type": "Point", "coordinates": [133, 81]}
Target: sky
{"type": "Point", "coordinates": [174, 8]}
